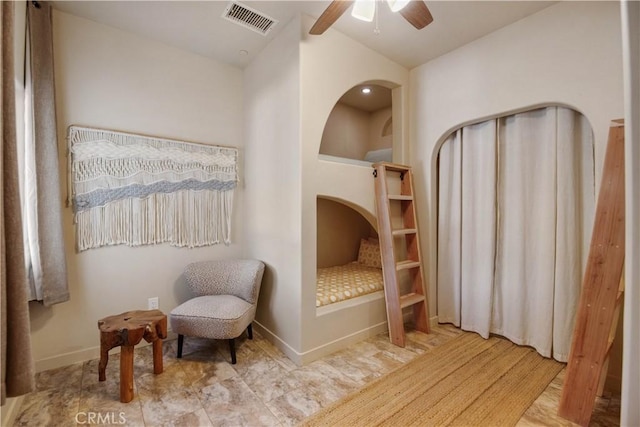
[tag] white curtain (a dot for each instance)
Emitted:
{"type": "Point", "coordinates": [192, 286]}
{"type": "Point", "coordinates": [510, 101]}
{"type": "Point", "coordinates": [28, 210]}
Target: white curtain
{"type": "Point", "coordinates": [41, 201]}
{"type": "Point", "coordinates": [515, 211]}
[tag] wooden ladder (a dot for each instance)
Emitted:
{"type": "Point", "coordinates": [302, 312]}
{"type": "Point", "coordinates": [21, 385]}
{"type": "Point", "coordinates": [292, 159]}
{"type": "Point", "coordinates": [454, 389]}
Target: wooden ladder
{"type": "Point", "coordinates": [394, 260]}
{"type": "Point", "coordinates": [602, 290]}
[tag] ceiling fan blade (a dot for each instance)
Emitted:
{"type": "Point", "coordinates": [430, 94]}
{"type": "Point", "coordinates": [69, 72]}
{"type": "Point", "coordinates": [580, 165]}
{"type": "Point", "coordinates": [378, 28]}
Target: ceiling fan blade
{"type": "Point", "coordinates": [417, 13]}
{"type": "Point", "coordinates": [330, 15]}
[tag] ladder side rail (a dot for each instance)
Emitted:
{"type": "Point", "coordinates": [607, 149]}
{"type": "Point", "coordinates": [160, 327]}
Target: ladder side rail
{"type": "Point", "coordinates": [600, 288]}
{"type": "Point", "coordinates": [420, 310]}
{"type": "Point", "coordinates": [391, 289]}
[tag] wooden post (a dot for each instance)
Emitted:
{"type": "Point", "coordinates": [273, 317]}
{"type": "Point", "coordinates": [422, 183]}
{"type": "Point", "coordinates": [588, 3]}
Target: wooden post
{"type": "Point", "coordinates": [126, 373]}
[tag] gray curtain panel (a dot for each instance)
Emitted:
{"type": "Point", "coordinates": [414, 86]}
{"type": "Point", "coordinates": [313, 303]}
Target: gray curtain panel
{"type": "Point", "coordinates": [18, 374]}
{"type": "Point", "coordinates": [50, 235]}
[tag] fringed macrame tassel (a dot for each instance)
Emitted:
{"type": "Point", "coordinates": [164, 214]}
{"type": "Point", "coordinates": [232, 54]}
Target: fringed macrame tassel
{"type": "Point", "coordinates": [184, 219]}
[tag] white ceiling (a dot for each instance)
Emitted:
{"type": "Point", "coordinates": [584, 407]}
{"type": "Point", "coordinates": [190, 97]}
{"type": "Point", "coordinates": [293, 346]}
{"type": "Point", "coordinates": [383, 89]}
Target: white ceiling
{"type": "Point", "coordinates": [197, 26]}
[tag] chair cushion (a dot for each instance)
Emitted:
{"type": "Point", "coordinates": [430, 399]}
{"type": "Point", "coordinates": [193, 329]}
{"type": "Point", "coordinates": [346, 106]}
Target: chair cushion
{"type": "Point", "coordinates": [239, 277]}
{"type": "Point", "coordinates": [212, 316]}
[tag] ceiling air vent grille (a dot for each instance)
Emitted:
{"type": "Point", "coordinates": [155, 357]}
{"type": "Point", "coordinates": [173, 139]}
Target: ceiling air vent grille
{"type": "Point", "coordinates": [249, 18]}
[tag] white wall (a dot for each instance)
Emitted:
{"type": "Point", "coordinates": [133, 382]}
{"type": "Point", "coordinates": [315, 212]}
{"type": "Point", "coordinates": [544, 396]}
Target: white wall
{"type": "Point", "coordinates": [272, 220]}
{"type": "Point", "coordinates": [112, 79]}
{"type": "Point", "coordinates": [630, 410]}
{"type": "Point", "coordinates": [569, 53]}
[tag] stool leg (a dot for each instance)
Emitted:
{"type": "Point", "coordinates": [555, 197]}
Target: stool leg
{"type": "Point", "coordinates": [102, 366]}
{"type": "Point", "coordinates": [157, 356]}
{"type": "Point", "coordinates": [126, 373]}
{"type": "Point", "coordinates": [180, 342]}
{"type": "Point", "coordinates": [232, 348]}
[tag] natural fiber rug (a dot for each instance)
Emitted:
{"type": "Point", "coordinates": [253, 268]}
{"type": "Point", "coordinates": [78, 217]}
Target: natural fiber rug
{"type": "Point", "coordinates": [468, 381]}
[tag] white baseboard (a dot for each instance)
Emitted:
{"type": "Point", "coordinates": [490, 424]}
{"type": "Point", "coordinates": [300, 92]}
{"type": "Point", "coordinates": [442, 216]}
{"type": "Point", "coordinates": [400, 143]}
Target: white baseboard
{"type": "Point", "coordinates": [83, 355]}
{"type": "Point", "coordinates": [306, 357]}
{"type": "Point", "coordinates": [342, 342]}
{"type": "Point", "coordinates": [9, 411]}
{"type": "Point", "coordinates": [280, 344]}
{"type": "Point", "coordinates": [297, 357]}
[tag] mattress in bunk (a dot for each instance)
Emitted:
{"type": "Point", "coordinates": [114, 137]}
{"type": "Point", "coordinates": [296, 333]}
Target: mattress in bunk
{"type": "Point", "coordinates": [343, 282]}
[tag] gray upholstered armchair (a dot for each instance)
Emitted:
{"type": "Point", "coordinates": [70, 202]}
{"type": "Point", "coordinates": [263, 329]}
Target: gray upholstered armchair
{"type": "Point", "coordinates": [226, 296]}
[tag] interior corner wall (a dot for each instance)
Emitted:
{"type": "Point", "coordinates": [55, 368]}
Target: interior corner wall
{"type": "Point", "coordinates": [330, 65]}
{"type": "Point", "coordinates": [346, 133]}
{"type": "Point", "coordinates": [339, 231]}
{"type": "Point", "coordinates": [630, 410]}
{"type": "Point", "coordinates": [568, 53]}
{"type": "Point", "coordinates": [378, 120]}
{"type": "Point", "coordinates": [109, 78]}
{"type": "Point", "coordinates": [272, 220]}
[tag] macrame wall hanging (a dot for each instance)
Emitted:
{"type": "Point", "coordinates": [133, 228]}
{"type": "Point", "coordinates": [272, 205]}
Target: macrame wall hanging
{"type": "Point", "coordinates": [139, 190]}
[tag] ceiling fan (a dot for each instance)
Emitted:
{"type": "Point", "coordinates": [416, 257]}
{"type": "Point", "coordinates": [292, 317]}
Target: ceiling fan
{"type": "Point", "coordinates": [414, 11]}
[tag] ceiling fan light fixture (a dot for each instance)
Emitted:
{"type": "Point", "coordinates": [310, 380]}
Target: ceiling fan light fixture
{"type": "Point", "coordinates": [364, 10]}
{"type": "Point", "coordinates": [397, 5]}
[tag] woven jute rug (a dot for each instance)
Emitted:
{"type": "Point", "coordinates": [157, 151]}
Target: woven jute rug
{"type": "Point", "coordinates": [468, 381]}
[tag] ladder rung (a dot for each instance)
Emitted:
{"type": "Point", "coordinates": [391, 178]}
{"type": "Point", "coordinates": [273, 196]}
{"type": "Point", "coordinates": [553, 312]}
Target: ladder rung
{"type": "Point", "coordinates": [411, 299]}
{"type": "Point", "coordinates": [619, 297]}
{"type": "Point", "coordinates": [405, 265]}
{"type": "Point", "coordinates": [392, 166]}
{"type": "Point", "coordinates": [400, 197]}
{"type": "Point", "coordinates": [609, 346]}
{"type": "Point", "coordinates": [404, 231]}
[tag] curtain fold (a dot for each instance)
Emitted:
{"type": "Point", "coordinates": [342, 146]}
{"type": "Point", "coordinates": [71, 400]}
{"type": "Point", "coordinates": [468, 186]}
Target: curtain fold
{"type": "Point", "coordinates": [449, 228]}
{"type": "Point", "coordinates": [18, 374]}
{"type": "Point", "coordinates": [515, 212]}
{"type": "Point", "coordinates": [525, 259]}
{"type": "Point", "coordinates": [575, 201]}
{"type": "Point", "coordinates": [46, 251]}
{"type": "Point", "coordinates": [479, 152]}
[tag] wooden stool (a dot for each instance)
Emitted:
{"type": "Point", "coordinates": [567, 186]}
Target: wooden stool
{"type": "Point", "coordinates": [126, 330]}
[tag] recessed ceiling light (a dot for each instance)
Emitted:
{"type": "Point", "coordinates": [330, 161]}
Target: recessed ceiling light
{"type": "Point", "coordinates": [366, 90]}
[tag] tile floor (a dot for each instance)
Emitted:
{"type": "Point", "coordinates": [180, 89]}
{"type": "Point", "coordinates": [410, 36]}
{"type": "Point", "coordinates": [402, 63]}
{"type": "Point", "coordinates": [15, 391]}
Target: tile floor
{"type": "Point", "coordinates": [263, 389]}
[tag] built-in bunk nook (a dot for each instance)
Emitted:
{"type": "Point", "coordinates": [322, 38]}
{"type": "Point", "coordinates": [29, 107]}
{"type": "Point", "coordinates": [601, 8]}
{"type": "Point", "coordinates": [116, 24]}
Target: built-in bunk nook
{"type": "Point", "coordinates": [358, 132]}
{"type": "Point", "coordinates": [360, 126]}
{"type": "Point", "coordinates": [348, 255]}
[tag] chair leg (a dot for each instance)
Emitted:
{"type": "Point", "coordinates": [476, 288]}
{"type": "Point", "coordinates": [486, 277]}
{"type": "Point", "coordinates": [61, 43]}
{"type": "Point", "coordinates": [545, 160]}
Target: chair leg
{"type": "Point", "coordinates": [180, 342]}
{"type": "Point", "coordinates": [250, 331]}
{"type": "Point", "coordinates": [232, 348]}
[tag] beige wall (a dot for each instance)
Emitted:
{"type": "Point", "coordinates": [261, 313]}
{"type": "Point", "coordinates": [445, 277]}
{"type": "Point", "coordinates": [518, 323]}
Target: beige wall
{"type": "Point", "coordinates": [351, 132]}
{"type": "Point", "coordinates": [112, 79]}
{"type": "Point", "coordinates": [377, 121]}
{"type": "Point", "coordinates": [566, 54]}
{"type": "Point", "coordinates": [346, 133]}
{"type": "Point", "coordinates": [273, 212]}
{"type": "Point", "coordinates": [339, 231]}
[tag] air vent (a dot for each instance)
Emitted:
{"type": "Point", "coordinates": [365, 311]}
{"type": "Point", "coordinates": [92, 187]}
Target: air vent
{"type": "Point", "coordinates": [249, 18]}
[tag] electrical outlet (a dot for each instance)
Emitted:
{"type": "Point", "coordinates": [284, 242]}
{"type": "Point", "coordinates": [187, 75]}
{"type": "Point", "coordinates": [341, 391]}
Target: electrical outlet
{"type": "Point", "coordinates": [153, 303]}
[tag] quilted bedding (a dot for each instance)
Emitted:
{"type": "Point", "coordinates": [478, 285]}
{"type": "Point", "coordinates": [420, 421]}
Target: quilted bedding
{"type": "Point", "coordinates": [342, 282]}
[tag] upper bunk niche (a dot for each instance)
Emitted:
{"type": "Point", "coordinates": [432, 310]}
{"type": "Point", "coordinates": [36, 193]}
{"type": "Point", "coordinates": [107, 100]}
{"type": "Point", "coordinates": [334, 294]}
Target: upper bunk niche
{"type": "Point", "coordinates": [360, 126]}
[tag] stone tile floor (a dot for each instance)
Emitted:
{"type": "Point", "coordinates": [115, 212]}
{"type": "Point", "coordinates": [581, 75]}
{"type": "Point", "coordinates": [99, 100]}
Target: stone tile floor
{"type": "Point", "coordinates": [263, 389]}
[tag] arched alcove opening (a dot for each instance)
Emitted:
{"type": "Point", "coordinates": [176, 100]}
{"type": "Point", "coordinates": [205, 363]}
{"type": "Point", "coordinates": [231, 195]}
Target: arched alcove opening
{"type": "Point", "coordinates": [515, 195]}
{"type": "Point", "coordinates": [359, 125]}
{"type": "Point", "coordinates": [348, 254]}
